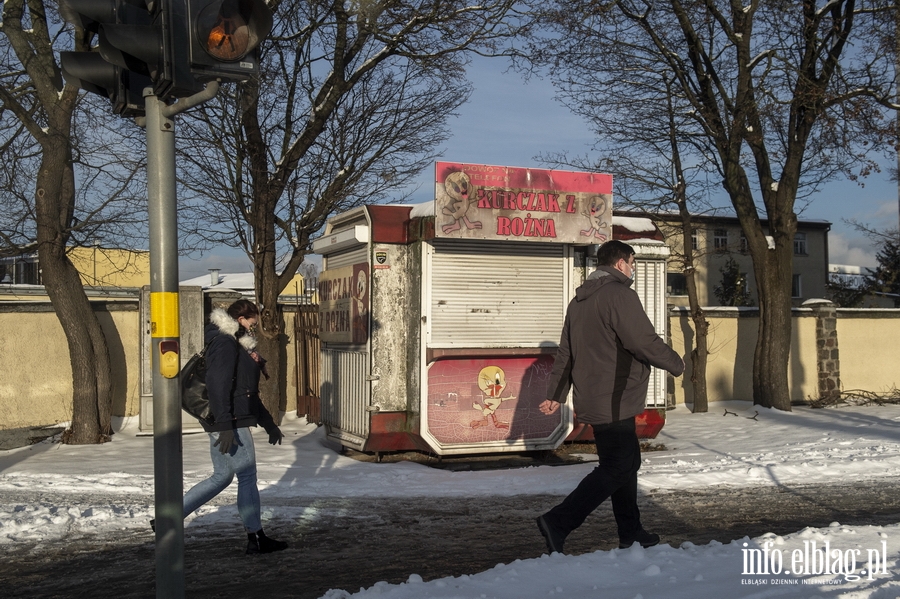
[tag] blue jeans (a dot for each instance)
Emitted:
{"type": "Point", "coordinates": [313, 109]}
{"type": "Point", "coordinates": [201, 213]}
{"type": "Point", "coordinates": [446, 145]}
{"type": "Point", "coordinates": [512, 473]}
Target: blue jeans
{"type": "Point", "coordinates": [615, 477]}
{"type": "Point", "coordinates": [240, 461]}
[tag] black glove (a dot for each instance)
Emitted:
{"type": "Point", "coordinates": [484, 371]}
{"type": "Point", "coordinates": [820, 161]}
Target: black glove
{"type": "Point", "coordinates": [225, 441]}
{"type": "Point", "coordinates": [275, 436]}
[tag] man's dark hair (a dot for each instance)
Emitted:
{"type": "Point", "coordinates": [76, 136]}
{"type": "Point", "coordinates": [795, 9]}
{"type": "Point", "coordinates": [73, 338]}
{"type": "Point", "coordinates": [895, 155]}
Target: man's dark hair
{"type": "Point", "coordinates": [612, 251]}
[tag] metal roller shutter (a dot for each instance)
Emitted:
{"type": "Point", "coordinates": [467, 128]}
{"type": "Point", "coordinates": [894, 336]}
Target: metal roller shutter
{"type": "Point", "coordinates": [357, 255]}
{"type": "Point", "coordinates": [496, 294]}
{"type": "Point", "coordinates": [344, 392]}
{"type": "Point", "coordinates": [649, 284]}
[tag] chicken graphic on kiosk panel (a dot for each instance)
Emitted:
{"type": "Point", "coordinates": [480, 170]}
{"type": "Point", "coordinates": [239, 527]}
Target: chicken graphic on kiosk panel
{"type": "Point", "coordinates": [492, 382]}
{"type": "Point", "coordinates": [594, 209]}
{"type": "Point", "coordinates": [455, 202]}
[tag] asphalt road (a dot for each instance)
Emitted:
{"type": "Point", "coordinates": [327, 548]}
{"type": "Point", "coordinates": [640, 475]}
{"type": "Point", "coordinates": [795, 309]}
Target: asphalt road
{"type": "Point", "coordinates": [354, 543]}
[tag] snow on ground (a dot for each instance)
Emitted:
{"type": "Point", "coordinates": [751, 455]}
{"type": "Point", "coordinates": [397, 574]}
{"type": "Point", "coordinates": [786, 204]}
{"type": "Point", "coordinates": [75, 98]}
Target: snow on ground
{"type": "Point", "coordinates": [686, 572]}
{"type": "Point", "coordinates": [735, 444]}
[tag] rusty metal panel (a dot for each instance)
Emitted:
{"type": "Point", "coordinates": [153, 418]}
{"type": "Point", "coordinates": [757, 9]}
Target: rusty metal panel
{"type": "Point", "coordinates": [496, 294]}
{"type": "Point", "coordinates": [307, 349]}
{"type": "Point", "coordinates": [396, 336]}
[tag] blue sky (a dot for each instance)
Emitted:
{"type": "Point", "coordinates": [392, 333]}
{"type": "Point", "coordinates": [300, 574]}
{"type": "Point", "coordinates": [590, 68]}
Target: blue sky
{"type": "Point", "coordinates": [509, 122]}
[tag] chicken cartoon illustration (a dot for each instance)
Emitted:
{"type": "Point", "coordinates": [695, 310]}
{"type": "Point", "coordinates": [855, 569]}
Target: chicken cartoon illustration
{"type": "Point", "coordinates": [360, 308]}
{"type": "Point", "coordinates": [492, 382]}
{"type": "Point", "coordinates": [594, 210]}
{"type": "Point", "coordinates": [456, 202]}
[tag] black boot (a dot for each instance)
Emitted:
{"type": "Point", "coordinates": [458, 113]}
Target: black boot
{"type": "Point", "coordinates": [258, 542]}
{"type": "Point", "coordinates": [552, 535]}
{"type": "Point", "coordinates": [646, 539]}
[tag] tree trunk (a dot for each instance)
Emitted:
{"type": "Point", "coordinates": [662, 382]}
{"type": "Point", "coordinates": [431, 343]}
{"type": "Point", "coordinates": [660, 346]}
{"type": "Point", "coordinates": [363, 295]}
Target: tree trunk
{"type": "Point", "coordinates": [771, 388]}
{"type": "Point", "coordinates": [700, 352]}
{"type": "Point", "coordinates": [271, 320]}
{"type": "Point", "coordinates": [88, 350]}
{"type": "Point", "coordinates": [271, 346]}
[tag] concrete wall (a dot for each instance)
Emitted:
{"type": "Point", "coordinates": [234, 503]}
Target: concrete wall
{"type": "Point", "coordinates": [866, 340]}
{"type": "Point", "coordinates": [868, 346]}
{"type": "Point", "coordinates": [36, 389]}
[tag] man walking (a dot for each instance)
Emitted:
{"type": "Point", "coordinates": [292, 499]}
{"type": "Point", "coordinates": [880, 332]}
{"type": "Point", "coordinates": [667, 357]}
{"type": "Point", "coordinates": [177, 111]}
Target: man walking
{"type": "Point", "coordinates": [606, 349]}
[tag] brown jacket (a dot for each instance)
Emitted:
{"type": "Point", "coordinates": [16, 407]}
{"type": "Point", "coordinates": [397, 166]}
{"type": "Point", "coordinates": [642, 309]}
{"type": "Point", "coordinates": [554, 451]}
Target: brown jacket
{"type": "Point", "coordinates": [606, 349]}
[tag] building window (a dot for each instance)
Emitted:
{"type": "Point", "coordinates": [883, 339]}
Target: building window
{"type": "Point", "coordinates": [695, 240]}
{"type": "Point", "coordinates": [676, 284]}
{"type": "Point", "coordinates": [20, 270]}
{"type": "Point", "coordinates": [796, 288]}
{"type": "Point", "coordinates": [800, 244]}
{"type": "Point", "coordinates": [745, 247]}
{"type": "Point", "coordinates": [720, 240]}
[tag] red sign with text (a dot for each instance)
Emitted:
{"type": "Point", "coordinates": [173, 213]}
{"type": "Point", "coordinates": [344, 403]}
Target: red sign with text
{"type": "Point", "coordinates": [478, 201]}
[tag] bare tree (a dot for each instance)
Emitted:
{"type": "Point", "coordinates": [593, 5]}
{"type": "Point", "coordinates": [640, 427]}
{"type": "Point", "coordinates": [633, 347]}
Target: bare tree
{"type": "Point", "coordinates": [782, 104]}
{"type": "Point", "coordinates": [660, 165]}
{"type": "Point", "coordinates": [353, 100]}
{"type": "Point", "coordinates": [56, 194]}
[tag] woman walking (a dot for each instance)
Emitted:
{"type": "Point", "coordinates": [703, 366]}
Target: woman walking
{"type": "Point", "coordinates": [232, 382]}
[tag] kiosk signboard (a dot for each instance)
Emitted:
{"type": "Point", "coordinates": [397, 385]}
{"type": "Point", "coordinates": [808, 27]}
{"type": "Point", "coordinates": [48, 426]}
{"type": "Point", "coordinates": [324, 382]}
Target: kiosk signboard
{"type": "Point", "coordinates": [344, 304]}
{"type": "Point", "coordinates": [478, 201]}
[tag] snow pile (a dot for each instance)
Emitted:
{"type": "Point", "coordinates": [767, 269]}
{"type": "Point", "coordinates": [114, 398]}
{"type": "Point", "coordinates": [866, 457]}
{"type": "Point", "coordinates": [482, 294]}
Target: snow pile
{"type": "Point", "coordinates": [862, 562]}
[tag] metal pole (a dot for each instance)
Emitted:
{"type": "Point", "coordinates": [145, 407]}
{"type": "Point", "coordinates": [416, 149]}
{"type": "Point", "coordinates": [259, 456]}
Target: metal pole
{"type": "Point", "coordinates": [165, 335]}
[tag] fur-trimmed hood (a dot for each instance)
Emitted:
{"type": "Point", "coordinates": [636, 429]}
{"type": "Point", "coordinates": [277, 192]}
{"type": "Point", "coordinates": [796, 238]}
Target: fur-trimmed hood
{"type": "Point", "coordinates": [230, 326]}
{"type": "Point", "coordinates": [232, 376]}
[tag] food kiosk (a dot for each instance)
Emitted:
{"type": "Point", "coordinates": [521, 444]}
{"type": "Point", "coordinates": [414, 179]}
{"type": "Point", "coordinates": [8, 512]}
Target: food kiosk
{"type": "Point", "coordinates": [439, 321]}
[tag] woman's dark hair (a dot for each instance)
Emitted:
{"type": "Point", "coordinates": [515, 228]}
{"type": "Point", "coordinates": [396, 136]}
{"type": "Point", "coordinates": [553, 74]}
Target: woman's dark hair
{"type": "Point", "coordinates": [613, 251]}
{"type": "Point", "coordinates": [244, 308]}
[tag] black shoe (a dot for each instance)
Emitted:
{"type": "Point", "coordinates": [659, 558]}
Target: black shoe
{"type": "Point", "coordinates": [258, 542]}
{"type": "Point", "coordinates": [553, 536]}
{"type": "Point", "coordinates": [646, 539]}
{"type": "Point", "coordinates": [153, 525]}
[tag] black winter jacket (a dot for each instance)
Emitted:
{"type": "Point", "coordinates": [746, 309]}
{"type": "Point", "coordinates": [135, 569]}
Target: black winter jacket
{"type": "Point", "coordinates": [232, 377]}
{"type": "Point", "coordinates": [606, 349]}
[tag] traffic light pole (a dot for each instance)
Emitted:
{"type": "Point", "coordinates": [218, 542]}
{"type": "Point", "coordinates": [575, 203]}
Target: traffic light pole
{"type": "Point", "coordinates": [165, 336]}
{"type": "Point", "coordinates": [175, 47]}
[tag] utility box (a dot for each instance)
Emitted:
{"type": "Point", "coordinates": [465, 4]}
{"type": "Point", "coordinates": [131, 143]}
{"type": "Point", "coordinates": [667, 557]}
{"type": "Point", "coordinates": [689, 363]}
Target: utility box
{"type": "Point", "coordinates": [439, 322]}
{"type": "Point", "coordinates": [191, 322]}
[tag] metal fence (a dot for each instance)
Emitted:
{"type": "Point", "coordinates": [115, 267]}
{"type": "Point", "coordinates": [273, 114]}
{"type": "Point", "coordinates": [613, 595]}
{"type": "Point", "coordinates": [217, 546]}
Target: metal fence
{"type": "Point", "coordinates": [306, 346]}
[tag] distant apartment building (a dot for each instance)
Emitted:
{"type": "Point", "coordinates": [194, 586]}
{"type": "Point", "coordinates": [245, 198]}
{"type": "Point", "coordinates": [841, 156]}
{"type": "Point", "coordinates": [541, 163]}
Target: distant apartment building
{"type": "Point", "coordinates": [717, 238]}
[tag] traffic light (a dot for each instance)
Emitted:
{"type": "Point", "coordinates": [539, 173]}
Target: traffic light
{"type": "Point", "coordinates": [90, 72]}
{"type": "Point", "coordinates": [147, 37]}
{"type": "Point", "coordinates": [177, 45]}
{"type": "Point", "coordinates": [224, 37]}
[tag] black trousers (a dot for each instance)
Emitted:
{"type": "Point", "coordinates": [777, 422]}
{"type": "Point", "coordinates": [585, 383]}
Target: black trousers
{"type": "Point", "coordinates": [615, 477]}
